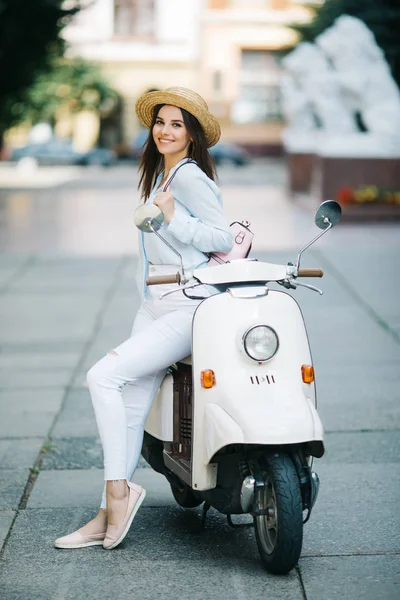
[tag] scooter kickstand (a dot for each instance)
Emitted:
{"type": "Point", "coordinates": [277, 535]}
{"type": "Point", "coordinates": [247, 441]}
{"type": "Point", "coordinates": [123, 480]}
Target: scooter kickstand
{"type": "Point", "coordinates": [237, 525]}
{"type": "Point", "coordinates": [206, 508]}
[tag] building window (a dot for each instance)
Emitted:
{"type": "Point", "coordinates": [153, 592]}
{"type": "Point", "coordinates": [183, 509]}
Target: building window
{"type": "Point", "coordinates": [134, 18]}
{"type": "Point", "coordinates": [259, 88]}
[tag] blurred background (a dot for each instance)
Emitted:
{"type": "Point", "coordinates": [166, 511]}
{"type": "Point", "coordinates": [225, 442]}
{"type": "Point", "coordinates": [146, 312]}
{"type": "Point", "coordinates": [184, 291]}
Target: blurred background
{"type": "Point", "coordinates": [91, 59]}
{"type": "Point", "coordinates": [280, 82]}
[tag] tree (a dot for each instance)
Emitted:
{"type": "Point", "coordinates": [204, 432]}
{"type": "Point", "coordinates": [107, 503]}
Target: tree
{"type": "Point", "coordinates": [29, 39]}
{"type": "Point", "coordinates": [73, 85]}
{"type": "Point", "coordinates": [382, 17]}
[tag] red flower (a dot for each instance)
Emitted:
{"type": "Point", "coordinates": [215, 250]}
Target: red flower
{"type": "Point", "coordinates": [345, 195]}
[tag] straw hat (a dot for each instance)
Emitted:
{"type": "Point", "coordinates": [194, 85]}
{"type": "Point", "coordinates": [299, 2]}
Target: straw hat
{"type": "Point", "coordinates": [182, 98]}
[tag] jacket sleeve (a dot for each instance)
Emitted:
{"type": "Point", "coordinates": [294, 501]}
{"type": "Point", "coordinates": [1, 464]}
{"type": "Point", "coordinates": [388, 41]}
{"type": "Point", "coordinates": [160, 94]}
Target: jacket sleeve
{"type": "Point", "coordinates": [205, 227]}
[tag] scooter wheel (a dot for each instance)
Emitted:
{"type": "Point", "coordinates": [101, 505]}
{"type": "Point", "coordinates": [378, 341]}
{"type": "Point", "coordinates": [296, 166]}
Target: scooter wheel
{"type": "Point", "coordinates": [185, 497]}
{"type": "Point", "coordinates": [279, 531]}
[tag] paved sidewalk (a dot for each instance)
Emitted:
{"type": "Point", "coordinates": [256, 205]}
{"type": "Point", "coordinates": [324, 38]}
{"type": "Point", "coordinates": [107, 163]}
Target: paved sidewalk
{"type": "Point", "coordinates": [59, 314]}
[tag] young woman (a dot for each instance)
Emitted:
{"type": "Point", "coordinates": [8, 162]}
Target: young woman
{"type": "Point", "coordinates": [123, 384]}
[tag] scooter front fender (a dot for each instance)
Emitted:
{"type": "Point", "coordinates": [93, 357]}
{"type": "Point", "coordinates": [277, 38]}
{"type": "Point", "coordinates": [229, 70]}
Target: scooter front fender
{"type": "Point", "coordinates": [293, 427]}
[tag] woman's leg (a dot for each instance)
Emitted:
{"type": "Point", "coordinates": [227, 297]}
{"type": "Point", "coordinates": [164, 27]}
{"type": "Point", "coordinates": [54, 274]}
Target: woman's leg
{"type": "Point", "coordinates": [144, 386]}
{"type": "Point", "coordinates": [98, 524]}
{"type": "Point", "coordinates": [143, 319]}
{"type": "Point", "coordinates": [143, 356]}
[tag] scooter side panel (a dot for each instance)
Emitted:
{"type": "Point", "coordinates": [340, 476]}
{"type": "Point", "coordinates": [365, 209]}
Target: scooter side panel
{"type": "Point", "coordinates": [264, 403]}
{"type": "Point", "coordinates": [159, 421]}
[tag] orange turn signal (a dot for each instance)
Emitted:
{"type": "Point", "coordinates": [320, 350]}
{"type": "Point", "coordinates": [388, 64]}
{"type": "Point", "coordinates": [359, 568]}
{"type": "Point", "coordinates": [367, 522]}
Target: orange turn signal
{"type": "Point", "coordinates": [207, 378]}
{"type": "Point", "coordinates": [307, 373]}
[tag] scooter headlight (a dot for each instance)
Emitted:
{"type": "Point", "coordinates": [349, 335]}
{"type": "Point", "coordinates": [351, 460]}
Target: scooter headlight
{"type": "Point", "coordinates": [260, 343]}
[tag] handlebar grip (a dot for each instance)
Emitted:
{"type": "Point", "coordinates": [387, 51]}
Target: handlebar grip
{"type": "Point", "coordinates": [160, 279]}
{"type": "Point", "coordinates": [310, 273]}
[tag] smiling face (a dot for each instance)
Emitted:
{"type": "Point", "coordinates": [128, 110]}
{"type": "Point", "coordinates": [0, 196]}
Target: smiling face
{"type": "Point", "coordinates": [170, 133]}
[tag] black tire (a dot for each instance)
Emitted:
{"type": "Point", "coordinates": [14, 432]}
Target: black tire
{"type": "Point", "coordinates": [184, 496]}
{"type": "Point", "coordinates": [279, 535]}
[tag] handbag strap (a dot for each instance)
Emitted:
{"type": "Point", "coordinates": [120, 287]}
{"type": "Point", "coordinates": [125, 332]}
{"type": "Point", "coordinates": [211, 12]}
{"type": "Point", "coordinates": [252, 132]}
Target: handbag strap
{"type": "Point", "coordinates": [168, 182]}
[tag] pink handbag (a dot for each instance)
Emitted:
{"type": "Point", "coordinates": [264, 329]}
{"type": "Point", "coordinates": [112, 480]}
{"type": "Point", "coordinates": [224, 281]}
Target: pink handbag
{"type": "Point", "coordinates": [242, 241]}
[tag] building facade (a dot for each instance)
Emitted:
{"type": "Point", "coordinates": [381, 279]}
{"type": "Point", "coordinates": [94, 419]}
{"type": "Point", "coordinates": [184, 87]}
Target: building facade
{"type": "Point", "coordinates": [227, 50]}
{"type": "Point", "coordinates": [140, 44]}
{"type": "Point", "coordinates": [242, 42]}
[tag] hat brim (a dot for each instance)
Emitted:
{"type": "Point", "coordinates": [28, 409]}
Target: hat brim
{"type": "Point", "coordinates": [146, 103]}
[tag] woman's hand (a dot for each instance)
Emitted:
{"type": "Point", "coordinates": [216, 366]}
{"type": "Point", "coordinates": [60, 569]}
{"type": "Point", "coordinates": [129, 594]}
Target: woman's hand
{"type": "Point", "coordinates": [165, 202]}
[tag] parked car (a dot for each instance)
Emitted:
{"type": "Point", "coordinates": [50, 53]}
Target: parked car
{"type": "Point", "coordinates": [226, 152]}
{"type": "Point", "coordinates": [221, 152]}
{"type": "Point", "coordinates": [57, 152]}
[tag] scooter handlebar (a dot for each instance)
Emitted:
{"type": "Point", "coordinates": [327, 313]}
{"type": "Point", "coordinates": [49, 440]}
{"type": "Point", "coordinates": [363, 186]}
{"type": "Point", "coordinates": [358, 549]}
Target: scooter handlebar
{"type": "Point", "coordinates": [160, 279]}
{"type": "Point", "coordinates": [310, 273]}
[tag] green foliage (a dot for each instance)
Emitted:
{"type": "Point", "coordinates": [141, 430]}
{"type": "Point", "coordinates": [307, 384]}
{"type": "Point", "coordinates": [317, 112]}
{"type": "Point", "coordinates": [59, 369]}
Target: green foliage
{"type": "Point", "coordinates": [71, 84]}
{"type": "Point", "coordinates": [29, 37]}
{"type": "Point", "coordinates": [381, 16]}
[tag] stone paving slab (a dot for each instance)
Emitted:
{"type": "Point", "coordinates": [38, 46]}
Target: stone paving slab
{"type": "Point", "coordinates": [347, 335]}
{"type": "Point", "coordinates": [21, 379]}
{"type": "Point", "coordinates": [76, 453]}
{"type": "Point", "coordinates": [10, 268]}
{"type": "Point", "coordinates": [67, 488]}
{"type": "Point", "coordinates": [43, 346]}
{"type": "Point", "coordinates": [76, 419]}
{"type": "Point", "coordinates": [165, 555]}
{"type": "Point", "coordinates": [19, 453]}
{"type": "Point", "coordinates": [12, 486]}
{"type": "Point", "coordinates": [27, 413]}
{"type": "Point", "coordinates": [351, 577]}
{"type": "Point", "coordinates": [354, 398]}
{"type": "Point", "coordinates": [12, 261]}
{"type": "Point", "coordinates": [73, 453]}
{"type": "Point", "coordinates": [68, 275]}
{"type": "Point", "coordinates": [362, 447]}
{"type": "Point", "coordinates": [83, 488]}
{"type": "Point", "coordinates": [6, 518]}
{"type": "Point", "coordinates": [356, 510]}
{"type": "Point", "coordinates": [33, 361]}
{"type": "Point", "coordinates": [47, 318]}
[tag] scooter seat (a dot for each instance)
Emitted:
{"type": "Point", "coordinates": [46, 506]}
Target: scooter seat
{"type": "Point", "coordinates": [186, 361]}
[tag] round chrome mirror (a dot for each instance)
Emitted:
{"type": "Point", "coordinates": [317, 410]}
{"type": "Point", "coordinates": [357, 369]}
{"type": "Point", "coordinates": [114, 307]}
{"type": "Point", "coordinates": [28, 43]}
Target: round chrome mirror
{"type": "Point", "coordinates": [328, 213]}
{"type": "Point", "coordinates": [148, 218]}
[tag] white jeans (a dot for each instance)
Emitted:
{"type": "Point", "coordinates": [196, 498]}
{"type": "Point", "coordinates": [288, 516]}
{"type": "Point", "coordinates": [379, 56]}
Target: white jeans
{"type": "Point", "coordinates": [124, 383]}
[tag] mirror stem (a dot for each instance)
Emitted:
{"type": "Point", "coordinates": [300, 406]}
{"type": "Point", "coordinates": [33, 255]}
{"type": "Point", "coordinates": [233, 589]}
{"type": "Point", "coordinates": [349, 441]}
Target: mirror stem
{"type": "Point", "coordinates": [173, 250]}
{"type": "Point", "coordinates": [310, 243]}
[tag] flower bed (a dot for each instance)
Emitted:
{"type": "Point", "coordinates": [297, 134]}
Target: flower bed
{"type": "Point", "coordinates": [368, 194]}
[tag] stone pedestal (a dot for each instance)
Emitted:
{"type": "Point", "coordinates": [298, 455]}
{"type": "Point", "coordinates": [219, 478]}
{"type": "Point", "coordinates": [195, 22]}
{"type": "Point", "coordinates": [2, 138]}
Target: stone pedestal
{"type": "Point", "coordinates": [333, 173]}
{"type": "Point", "coordinates": [300, 167]}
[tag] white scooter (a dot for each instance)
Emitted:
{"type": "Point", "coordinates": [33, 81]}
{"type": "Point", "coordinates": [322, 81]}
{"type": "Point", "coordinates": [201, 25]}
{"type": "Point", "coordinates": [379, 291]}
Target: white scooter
{"type": "Point", "coordinates": [235, 425]}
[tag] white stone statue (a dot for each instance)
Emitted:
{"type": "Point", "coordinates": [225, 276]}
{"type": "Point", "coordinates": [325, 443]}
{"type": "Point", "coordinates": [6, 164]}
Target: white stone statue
{"type": "Point", "coordinates": [311, 97]}
{"type": "Point", "coordinates": [363, 73]}
{"type": "Point", "coordinates": [296, 105]}
{"type": "Point", "coordinates": [343, 73]}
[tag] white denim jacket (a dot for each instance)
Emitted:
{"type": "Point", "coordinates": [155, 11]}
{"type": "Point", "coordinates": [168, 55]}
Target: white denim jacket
{"type": "Point", "coordinates": [198, 225]}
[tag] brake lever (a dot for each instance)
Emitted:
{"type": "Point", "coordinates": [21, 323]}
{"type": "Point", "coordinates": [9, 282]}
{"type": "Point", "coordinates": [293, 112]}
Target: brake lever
{"type": "Point", "coordinates": [179, 289]}
{"type": "Point", "coordinates": [289, 285]}
{"type": "Point", "coordinates": [310, 287]}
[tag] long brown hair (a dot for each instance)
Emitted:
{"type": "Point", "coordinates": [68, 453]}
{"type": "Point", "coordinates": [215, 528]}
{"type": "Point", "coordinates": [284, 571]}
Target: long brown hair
{"type": "Point", "coordinates": [152, 162]}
